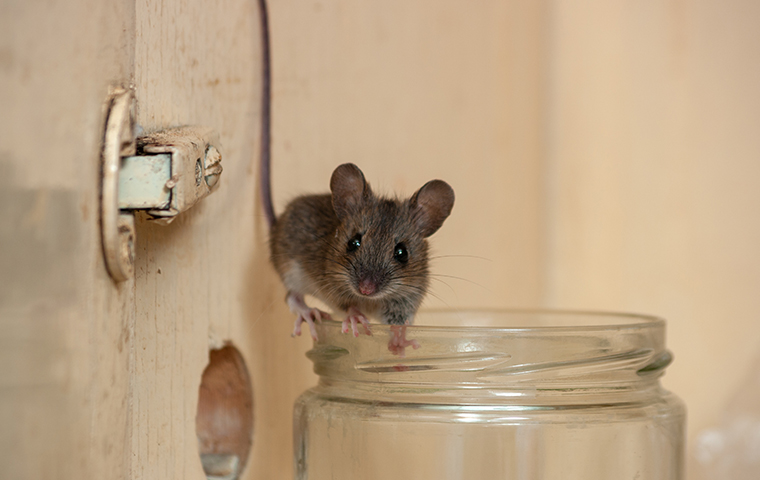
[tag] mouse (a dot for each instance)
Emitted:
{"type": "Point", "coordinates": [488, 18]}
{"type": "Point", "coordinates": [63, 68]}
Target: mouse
{"type": "Point", "coordinates": [358, 252]}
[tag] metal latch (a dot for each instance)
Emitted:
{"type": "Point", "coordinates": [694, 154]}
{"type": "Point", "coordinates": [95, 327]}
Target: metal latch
{"type": "Point", "coordinates": [172, 171]}
{"type": "Point", "coordinates": [164, 174]}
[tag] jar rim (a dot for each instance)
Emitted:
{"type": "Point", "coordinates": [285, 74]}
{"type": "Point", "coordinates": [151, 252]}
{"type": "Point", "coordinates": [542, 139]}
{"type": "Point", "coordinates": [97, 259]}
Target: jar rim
{"type": "Point", "coordinates": [484, 320]}
{"type": "Point", "coordinates": [509, 349]}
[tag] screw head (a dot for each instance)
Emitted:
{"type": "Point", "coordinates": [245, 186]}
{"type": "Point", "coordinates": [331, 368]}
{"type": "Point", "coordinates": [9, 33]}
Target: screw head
{"type": "Point", "coordinates": [198, 173]}
{"type": "Point", "coordinates": [213, 162]}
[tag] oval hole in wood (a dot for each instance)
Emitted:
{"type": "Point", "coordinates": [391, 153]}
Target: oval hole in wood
{"type": "Point", "coordinates": [224, 424]}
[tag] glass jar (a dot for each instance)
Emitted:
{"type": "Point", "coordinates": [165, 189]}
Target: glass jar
{"type": "Point", "coordinates": [528, 395]}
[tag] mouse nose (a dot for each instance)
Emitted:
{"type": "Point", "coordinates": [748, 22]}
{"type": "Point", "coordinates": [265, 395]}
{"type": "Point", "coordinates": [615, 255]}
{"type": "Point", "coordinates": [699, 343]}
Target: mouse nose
{"type": "Point", "coordinates": [367, 287]}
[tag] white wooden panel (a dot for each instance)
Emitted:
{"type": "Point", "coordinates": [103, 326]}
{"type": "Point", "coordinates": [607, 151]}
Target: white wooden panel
{"type": "Point", "coordinates": [64, 329]}
{"type": "Point", "coordinates": [203, 280]}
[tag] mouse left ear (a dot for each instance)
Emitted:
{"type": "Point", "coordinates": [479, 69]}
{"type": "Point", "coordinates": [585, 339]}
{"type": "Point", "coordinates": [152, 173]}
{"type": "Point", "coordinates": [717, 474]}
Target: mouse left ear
{"type": "Point", "coordinates": [431, 205]}
{"type": "Point", "coordinates": [349, 189]}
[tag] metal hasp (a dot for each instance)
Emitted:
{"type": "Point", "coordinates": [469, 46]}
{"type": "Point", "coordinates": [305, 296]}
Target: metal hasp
{"type": "Point", "coordinates": [195, 166]}
{"type": "Point", "coordinates": [164, 173]}
{"type": "Point", "coordinates": [142, 182]}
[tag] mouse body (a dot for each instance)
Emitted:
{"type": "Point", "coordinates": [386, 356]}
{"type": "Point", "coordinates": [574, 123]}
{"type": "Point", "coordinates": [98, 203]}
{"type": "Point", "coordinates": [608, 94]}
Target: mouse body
{"type": "Point", "coordinates": [359, 253]}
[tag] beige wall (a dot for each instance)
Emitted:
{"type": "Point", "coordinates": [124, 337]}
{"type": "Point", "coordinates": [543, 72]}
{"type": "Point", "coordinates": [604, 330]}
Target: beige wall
{"type": "Point", "coordinates": [603, 154]}
{"type": "Point", "coordinates": [653, 198]}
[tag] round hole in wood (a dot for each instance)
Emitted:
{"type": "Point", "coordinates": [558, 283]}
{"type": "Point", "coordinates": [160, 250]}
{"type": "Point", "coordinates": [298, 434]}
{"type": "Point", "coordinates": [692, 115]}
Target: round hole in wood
{"type": "Point", "coordinates": [224, 424]}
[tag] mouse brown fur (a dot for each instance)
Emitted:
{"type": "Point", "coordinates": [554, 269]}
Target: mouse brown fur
{"type": "Point", "coordinates": [356, 251]}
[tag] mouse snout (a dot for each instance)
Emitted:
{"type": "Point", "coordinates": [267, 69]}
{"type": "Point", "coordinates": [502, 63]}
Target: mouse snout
{"type": "Point", "coordinates": [367, 286]}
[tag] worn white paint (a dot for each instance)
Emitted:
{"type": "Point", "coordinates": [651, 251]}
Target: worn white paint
{"type": "Point", "coordinates": [142, 181]}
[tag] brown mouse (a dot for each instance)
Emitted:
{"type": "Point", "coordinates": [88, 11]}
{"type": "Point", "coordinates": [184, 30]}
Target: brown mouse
{"type": "Point", "coordinates": [359, 253]}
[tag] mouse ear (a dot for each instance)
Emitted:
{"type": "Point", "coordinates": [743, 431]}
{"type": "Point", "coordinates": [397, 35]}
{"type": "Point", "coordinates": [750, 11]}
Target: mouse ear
{"type": "Point", "coordinates": [431, 205]}
{"type": "Point", "coordinates": [349, 189]}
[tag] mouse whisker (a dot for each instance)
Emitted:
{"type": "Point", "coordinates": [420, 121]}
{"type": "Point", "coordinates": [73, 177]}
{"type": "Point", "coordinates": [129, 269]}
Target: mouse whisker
{"type": "Point", "coordinates": [439, 298]}
{"type": "Point", "coordinates": [436, 257]}
{"type": "Point", "coordinates": [332, 260]}
{"type": "Point", "coordinates": [437, 276]}
{"type": "Point", "coordinates": [328, 292]}
{"type": "Point", "coordinates": [450, 287]}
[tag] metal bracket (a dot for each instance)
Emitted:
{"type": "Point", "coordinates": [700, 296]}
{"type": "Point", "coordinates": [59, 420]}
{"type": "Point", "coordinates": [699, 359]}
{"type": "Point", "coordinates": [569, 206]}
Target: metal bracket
{"type": "Point", "coordinates": [164, 173]}
{"type": "Point", "coordinates": [117, 228]}
{"type": "Point", "coordinates": [194, 166]}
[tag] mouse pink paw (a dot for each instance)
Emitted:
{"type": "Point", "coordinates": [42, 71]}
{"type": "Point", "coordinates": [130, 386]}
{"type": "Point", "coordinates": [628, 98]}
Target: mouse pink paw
{"type": "Point", "coordinates": [354, 317]}
{"type": "Point", "coordinates": [305, 314]}
{"type": "Point", "coordinates": [309, 317]}
{"type": "Point", "coordinates": [398, 342]}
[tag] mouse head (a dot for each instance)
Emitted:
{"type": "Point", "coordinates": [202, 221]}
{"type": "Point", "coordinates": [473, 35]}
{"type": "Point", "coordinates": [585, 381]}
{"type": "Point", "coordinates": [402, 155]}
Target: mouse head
{"type": "Point", "coordinates": [381, 241]}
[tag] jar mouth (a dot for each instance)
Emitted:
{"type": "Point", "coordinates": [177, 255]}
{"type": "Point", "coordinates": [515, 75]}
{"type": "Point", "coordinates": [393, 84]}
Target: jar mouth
{"type": "Point", "coordinates": [513, 321]}
{"type": "Point", "coordinates": [512, 351]}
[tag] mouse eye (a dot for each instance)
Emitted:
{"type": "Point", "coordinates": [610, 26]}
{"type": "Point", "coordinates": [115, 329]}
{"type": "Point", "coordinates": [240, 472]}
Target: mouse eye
{"type": "Point", "coordinates": [354, 243]}
{"type": "Point", "coordinates": [400, 253]}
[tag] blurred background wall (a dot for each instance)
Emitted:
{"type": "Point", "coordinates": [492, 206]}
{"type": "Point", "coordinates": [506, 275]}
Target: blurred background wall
{"type": "Point", "coordinates": [605, 155]}
{"type": "Point", "coordinates": [653, 159]}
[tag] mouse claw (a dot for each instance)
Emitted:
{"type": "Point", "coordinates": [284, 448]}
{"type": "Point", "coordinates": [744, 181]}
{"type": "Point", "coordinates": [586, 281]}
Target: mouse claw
{"type": "Point", "coordinates": [305, 314]}
{"type": "Point", "coordinates": [398, 342]}
{"type": "Point", "coordinates": [309, 317]}
{"type": "Point", "coordinates": [354, 317]}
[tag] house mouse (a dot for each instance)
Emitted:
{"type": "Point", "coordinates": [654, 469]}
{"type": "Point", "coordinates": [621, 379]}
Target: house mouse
{"type": "Point", "coordinates": [360, 253]}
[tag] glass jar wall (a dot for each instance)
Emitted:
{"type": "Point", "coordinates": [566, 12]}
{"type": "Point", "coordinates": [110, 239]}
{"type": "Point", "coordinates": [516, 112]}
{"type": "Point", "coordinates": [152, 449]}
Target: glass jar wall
{"type": "Point", "coordinates": [512, 395]}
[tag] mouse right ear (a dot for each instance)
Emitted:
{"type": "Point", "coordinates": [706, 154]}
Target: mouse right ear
{"type": "Point", "coordinates": [349, 189]}
{"type": "Point", "coordinates": [431, 205]}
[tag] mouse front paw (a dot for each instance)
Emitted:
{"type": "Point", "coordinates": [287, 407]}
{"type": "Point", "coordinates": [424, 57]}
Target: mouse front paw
{"type": "Point", "coordinates": [354, 317]}
{"type": "Point", "coordinates": [309, 316]}
{"type": "Point", "coordinates": [305, 314]}
{"type": "Point", "coordinates": [398, 341]}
